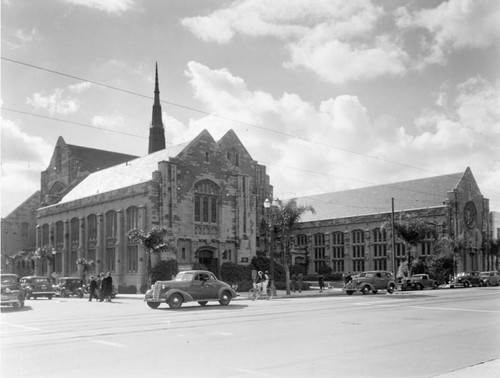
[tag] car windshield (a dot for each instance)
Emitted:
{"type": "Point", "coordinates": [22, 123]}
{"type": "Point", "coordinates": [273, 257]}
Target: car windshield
{"type": "Point", "coordinates": [41, 281]}
{"type": "Point", "coordinates": [8, 280]}
{"type": "Point", "coordinates": [184, 276]}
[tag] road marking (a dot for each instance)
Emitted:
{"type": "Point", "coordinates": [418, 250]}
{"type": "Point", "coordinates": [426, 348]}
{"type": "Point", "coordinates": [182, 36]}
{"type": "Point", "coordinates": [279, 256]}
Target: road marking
{"type": "Point", "coordinates": [109, 343]}
{"type": "Point", "coordinates": [216, 333]}
{"type": "Point", "coordinates": [21, 326]}
{"type": "Point", "coordinates": [455, 309]}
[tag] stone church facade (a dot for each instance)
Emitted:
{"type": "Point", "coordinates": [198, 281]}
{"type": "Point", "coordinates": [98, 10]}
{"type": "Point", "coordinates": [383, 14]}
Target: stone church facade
{"type": "Point", "coordinates": [209, 194]}
{"type": "Point", "coordinates": [349, 231]}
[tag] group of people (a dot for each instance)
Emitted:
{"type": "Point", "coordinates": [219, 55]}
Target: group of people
{"type": "Point", "coordinates": [262, 281]}
{"type": "Point", "coordinates": [101, 288]}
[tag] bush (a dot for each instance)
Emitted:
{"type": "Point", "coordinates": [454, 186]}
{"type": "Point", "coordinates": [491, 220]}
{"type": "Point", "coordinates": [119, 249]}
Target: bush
{"type": "Point", "coordinates": [233, 273]}
{"type": "Point", "coordinates": [164, 270]}
{"type": "Point", "coordinates": [131, 289]}
{"type": "Point", "coordinates": [199, 266]}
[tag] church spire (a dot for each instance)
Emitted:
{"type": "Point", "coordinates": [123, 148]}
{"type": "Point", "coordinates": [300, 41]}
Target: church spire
{"type": "Point", "coordinates": [156, 131]}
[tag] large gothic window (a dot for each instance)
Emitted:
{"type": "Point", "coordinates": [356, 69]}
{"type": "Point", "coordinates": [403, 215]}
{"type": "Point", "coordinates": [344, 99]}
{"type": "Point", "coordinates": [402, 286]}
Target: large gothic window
{"type": "Point", "coordinates": [358, 250]}
{"type": "Point", "coordinates": [206, 202]}
{"type": "Point", "coordinates": [380, 249]}
{"type": "Point", "coordinates": [338, 251]}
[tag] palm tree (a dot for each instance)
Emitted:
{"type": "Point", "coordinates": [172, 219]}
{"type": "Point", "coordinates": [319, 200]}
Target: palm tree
{"type": "Point", "coordinates": [45, 255]}
{"type": "Point", "coordinates": [85, 266]}
{"type": "Point", "coordinates": [412, 231]}
{"type": "Point", "coordinates": [153, 241]}
{"type": "Point", "coordinates": [286, 216]}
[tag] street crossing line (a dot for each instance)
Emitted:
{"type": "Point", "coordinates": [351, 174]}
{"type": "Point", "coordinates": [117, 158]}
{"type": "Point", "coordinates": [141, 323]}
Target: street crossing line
{"type": "Point", "coordinates": [109, 343]}
{"type": "Point", "coordinates": [21, 326]}
{"type": "Point", "coordinates": [456, 309]}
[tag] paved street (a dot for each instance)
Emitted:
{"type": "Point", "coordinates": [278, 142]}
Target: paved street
{"type": "Point", "coordinates": [410, 334]}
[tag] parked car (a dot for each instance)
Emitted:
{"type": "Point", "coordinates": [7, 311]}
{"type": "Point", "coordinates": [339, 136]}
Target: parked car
{"type": "Point", "coordinates": [12, 291]}
{"type": "Point", "coordinates": [466, 279]}
{"type": "Point", "coordinates": [37, 286]}
{"type": "Point", "coordinates": [491, 278]}
{"type": "Point", "coordinates": [188, 286]}
{"type": "Point", "coordinates": [371, 281]}
{"type": "Point", "coordinates": [67, 286]}
{"type": "Point", "coordinates": [418, 282]}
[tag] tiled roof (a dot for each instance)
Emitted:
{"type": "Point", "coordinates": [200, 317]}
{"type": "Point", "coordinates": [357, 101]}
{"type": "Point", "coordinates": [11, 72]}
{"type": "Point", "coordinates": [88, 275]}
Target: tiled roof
{"type": "Point", "coordinates": [126, 174]}
{"type": "Point", "coordinates": [93, 159]}
{"type": "Point", "coordinates": [414, 194]}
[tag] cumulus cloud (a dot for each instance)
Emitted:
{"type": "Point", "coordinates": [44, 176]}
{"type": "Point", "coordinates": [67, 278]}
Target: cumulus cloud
{"type": "Point", "coordinates": [336, 145]}
{"type": "Point", "coordinates": [109, 6]}
{"type": "Point", "coordinates": [54, 103]}
{"type": "Point", "coordinates": [115, 122]}
{"type": "Point", "coordinates": [331, 38]}
{"type": "Point", "coordinates": [23, 157]}
{"type": "Point", "coordinates": [453, 25]}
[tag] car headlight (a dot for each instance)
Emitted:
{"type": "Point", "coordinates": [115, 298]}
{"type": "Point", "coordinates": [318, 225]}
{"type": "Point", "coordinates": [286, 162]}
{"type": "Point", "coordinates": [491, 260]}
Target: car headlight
{"type": "Point", "coordinates": [7, 291]}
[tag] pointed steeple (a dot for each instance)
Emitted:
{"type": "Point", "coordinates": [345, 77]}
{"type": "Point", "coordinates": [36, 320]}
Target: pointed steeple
{"type": "Point", "coordinates": [156, 131]}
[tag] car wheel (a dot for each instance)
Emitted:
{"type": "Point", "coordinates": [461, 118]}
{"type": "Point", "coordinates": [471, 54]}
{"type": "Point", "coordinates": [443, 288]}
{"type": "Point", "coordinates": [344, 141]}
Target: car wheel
{"type": "Point", "coordinates": [64, 294]}
{"type": "Point", "coordinates": [434, 286]}
{"type": "Point", "coordinates": [175, 301]}
{"type": "Point", "coordinates": [252, 294]}
{"type": "Point", "coordinates": [466, 284]}
{"type": "Point", "coordinates": [202, 303]}
{"type": "Point", "coordinates": [225, 298]}
{"type": "Point", "coordinates": [419, 287]}
{"type": "Point", "coordinates": [27, 296]}
{"type": "Point", "coordinates": [153, 304]}
{"type": "Point", "coordinates": [15, 305]}
{"type": "Point", "coordinates": [365, 290]}
{"type": "Point", "coordinates": [391, 289]}
{"type": "Point", "coordinates": [80, 294]}
{"type": "Point", "coordinates": [50, 297]}
{"type": "Point", "coordinates": [349, 292]}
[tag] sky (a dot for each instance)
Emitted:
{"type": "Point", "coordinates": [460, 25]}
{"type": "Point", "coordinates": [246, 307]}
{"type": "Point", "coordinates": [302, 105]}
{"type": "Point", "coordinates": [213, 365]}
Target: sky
{"type": "Point", "coordinates": [330, 95]}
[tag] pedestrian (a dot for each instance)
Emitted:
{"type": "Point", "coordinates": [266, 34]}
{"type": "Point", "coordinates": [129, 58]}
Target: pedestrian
{"type": "Point", "coordinates": [92, 288]}
{"type": "Point", "coordinates": [300, 281]}
{"type": "Point", "coordinates": [321, 282]}
{"type": "Point", "coordinates": [100, 279]}
{"type": "Point", "coordinates": [107, 287]}
{"type": "Point", "coordinates": [294, 282]}
{"type": "Point", "coordinates": [265, 283]}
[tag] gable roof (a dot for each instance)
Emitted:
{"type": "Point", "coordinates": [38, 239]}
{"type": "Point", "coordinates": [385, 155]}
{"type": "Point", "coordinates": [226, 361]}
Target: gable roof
{"type": "Point", "coordinates": [413, 194]}
{"type": "Point", "coordinates": [126, 174]}
{"type": "Point", "coordinates": [93, 159]}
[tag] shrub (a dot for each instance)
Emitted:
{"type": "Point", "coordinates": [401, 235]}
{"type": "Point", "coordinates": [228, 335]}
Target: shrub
{"type": "Point", "coordinates": [131, 289]}
{"type": "Point", "coordinates": [199, 266]}
{"type": "Point", "coordinates": [233, 273]}
{"type": "Point", "coordinates": [164, 270]}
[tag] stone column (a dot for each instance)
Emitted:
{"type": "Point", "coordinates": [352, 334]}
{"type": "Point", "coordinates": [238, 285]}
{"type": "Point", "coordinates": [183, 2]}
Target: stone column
{"type": "Point", "coordinates": [142, 274]}
{"type": "Point", "coordinates": [39, 242]}
{"type": "Point", "coordinates": [81, 245]}
{"type": "Point", "coordinates": [100, 244]}
{"type": "Point", "coordinates": [119, 246]}
{"type": "Point", "coordinates": [66, 248]}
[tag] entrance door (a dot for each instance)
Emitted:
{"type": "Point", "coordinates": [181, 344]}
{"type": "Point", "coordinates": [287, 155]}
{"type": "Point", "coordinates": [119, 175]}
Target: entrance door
{"type": "Point", "coordinates": [206, 257]}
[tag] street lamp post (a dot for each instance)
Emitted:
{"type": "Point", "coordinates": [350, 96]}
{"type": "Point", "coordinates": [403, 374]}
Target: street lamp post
{"type": "Point", "coordinates": [268, 205]}
{"type": "Point", "coordinates": [54, 252]}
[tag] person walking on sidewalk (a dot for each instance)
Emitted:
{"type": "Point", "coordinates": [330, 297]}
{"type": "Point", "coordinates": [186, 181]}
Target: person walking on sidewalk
{"type": "Point", "coordinates": [321, 282]}
{"type": "Point", "coordinates": [300, 281]}
{"type": "Point", "coordinates": [107, 287]}
{"type": "Point", "coordinates": [92, 289]}
{"type": "Point", "coordinates": [294, 282]}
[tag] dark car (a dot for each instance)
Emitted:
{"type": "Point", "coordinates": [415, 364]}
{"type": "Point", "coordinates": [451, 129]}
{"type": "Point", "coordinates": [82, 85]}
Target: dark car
{"type": "Point", "coordinates": [371, 281]}
{"type": "Point", "coordinates": [193, 285]}
{"type": "Point", "coordinates": [418, 282]}
{"type": "Point", "coordinates": [67, 286]}
{"type": "Point", "coordinates": [12, 291]}
{"type": "Point", "coordinates": [37, 286]}
{"type": "Point", "coordinates": [490, 278]}
{"type": "Point", "coordinates": [466, 279]}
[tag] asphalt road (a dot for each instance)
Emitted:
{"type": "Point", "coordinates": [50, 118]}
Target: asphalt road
{"type": "Point", "coordinates": [408, 334]}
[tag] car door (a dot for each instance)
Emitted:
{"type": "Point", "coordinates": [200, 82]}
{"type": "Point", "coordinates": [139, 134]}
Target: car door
{"type": "Point", "coordinates": [196, 287]}
{"type": "Point", "coordinates": [378, 281]}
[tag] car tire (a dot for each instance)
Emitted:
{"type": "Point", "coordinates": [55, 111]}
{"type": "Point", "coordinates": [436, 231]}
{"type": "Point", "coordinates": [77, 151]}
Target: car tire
{"type": "Point", "coordinates": [50, 297]}
{"type": "Point", "coordinates": [349, 292]}
{"type": "Point", "coordinates": [202, 303]}
{"type": "Point", "coordinates": [175, 301]}
{"type": "Point", "coordinates": [16, 305]}
{"type": "Point", "coordinates": [153, 304]}
{"type": "Point", "coordinates": [391, 288]}
{"type": "Point", "coordinates": [419, 287]}
{"type": "Point", "coordinates": [434, 286]}
{"type": "Point", "coordinates": [365, 290]}
{"type": "Point", "coordinates": [466, 284]}
{"type": "Point", "coordinates": [225, 298]}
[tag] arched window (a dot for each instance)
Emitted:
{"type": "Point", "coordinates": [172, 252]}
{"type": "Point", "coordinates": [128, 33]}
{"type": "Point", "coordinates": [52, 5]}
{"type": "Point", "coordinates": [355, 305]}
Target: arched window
{"type": "Point", "coordinates": [319, 251]}
{"type": "Point", "coordinates": [338, 251]}
{"type": "Point", "coordinates": [206, 202]}
{"type": "Point", "coordinates": [132, 217]}
{"type": "Point", "coordinates": [358, 250]}
{"type": "Point", "coordinates": [379, 249]}
{"type": "Point", "coordinates": [111, 224]}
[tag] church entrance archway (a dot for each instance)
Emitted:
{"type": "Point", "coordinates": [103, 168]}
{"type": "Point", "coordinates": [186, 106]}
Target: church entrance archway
{"type": "Point", "coordinates": [206, 257]}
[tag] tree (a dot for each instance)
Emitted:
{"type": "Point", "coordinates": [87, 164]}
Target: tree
{"type": "Point", "coordinates": [85, 266]}
{"type": "Point", "coordinates": [494, 250]}
{"type": "Point", "coordinates": [286, 216]}
{"type": "Point", "coordinates": [45, 255]}
{"type": "Point", "coordinates": [153, 242]}
{"type": "Point", "coordinates": [412, 231]}
{"type": "Point", "coordinates": [456, 244]}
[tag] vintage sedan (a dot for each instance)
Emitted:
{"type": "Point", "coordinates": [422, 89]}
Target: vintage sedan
{"type": "Point", "coordinates": [188, 286]}
{"type": "Point", "coordinates": [491, 278]}
{"type": "Point", "coordinates": [466, 279]}
{"type": "Point", "coordinates": [419, 282]}
{"type": "Point", "coordinates": [37, 286]}
{"type": "Point", "coordinates": [12, 291]}
{"type": "Point", "coordinates": [67, 286]}
{"type": "Point", "coordinates": [371, 281]}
